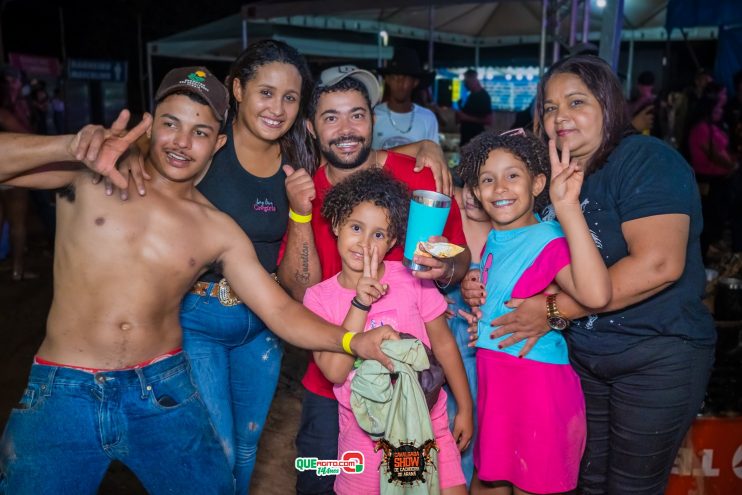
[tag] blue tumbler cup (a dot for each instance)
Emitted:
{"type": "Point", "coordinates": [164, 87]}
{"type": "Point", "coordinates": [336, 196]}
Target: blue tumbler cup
{"type": "Point", "coordinates": [428, 215]}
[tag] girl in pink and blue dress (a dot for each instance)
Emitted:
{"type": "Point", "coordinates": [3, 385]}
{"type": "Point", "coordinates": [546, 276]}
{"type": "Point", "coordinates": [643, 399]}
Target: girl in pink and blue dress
{"type": "Point", "coordinates": [530, 406]}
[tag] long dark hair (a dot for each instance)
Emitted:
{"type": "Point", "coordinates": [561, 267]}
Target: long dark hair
{"type": "Point", "coordinates": [708, 101]}
{"type": "Point", "coordinates": [599, 78]}
{"type": "Point", "coordinates": [296, 146]}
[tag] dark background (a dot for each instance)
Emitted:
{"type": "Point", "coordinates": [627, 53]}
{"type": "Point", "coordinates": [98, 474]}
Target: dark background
{"type": "Point", "coordinates": [108, 29]}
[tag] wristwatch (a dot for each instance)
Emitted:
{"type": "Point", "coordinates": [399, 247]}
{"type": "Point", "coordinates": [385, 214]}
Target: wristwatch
{"type": "Point", "coordinates": [553, 317]}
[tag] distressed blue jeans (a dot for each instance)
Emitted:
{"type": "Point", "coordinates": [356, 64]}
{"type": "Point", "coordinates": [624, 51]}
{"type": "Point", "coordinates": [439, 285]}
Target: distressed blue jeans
{"type": "Point", "coordinates": [236, 361]}
{"type": "Point", "coordinates": [70, 425]}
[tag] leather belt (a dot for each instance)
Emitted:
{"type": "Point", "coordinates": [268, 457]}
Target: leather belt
{"type": "Point", "coordinates": [221, 290]}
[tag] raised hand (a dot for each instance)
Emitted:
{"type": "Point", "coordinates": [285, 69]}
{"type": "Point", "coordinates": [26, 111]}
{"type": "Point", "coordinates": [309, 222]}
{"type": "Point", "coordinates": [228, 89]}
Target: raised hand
{"type": "Point", "coordinates": [566, 177]}
{"type": "Point", "coordinates": [299, 189]}
{"type": "Point", "coordinates": [99, 149]}
{"type": "Point", "coordinates": [369, 289]}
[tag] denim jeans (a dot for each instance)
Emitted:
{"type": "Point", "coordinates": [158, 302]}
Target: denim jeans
{"type": "Point", "coordinates": [71, 424]}
{"type": "Point", "coordinates": [317, 437]}
{"type": "Point", "coordinates": [236, 361]}
{"type": "Point", "coordinates": [640, 403]}
{"type": "Point", "coordinates": [459, 327]}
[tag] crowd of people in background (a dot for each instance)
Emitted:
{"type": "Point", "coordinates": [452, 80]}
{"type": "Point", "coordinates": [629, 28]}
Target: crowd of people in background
{"type": "Point", "coordinates": [556, 327]}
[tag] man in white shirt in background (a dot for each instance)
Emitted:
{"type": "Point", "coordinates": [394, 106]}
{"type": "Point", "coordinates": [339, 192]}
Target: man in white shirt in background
{"type": "Point", "coordinates": [398, 120]}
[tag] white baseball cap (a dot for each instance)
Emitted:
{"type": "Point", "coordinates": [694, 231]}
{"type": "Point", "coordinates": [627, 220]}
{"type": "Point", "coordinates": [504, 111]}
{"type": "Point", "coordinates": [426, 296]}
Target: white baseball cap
{"type": "Point", "coordinates": [334, 75]}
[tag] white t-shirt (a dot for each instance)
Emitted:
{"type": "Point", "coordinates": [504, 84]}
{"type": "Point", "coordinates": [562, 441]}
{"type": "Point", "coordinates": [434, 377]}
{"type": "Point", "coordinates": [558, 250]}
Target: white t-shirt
{"type": "Point", "coordinates": [393, 129]}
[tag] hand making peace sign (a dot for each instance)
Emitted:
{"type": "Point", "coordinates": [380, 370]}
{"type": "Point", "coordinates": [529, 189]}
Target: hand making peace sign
{"type": "Point", "coordinates": [566, 177]}
{"type": "Point", "coordinates": [369, 289]}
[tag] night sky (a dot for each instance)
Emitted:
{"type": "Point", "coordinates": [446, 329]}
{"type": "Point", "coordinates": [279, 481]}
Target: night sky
{"type": "Point", "coordinates": [105, 29]}
{"type": "Point", "coordinates": [101, 29]}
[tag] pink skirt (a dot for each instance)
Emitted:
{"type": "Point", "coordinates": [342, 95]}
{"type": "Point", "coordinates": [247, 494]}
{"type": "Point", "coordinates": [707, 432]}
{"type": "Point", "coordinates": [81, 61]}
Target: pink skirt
{"type": "Point", "coordinates": [531, 418]}
{"type": "Point", "coordinates": [369, 481]}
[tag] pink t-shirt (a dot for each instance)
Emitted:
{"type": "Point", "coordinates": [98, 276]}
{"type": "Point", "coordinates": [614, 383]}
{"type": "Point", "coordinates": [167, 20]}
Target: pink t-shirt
{"type": "Point", "coordinates": [408, 304]}
{"type": "Point", "coordinates": [698, 146]}
{"type": "Point", "coordinates": [401, 167]}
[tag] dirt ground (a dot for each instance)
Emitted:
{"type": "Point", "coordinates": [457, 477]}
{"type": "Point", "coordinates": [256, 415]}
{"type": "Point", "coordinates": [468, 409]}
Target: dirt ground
{"type": "Point", "coordinates": [23, 310]}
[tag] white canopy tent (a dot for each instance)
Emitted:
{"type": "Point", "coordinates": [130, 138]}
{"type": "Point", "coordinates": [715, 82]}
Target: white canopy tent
{"type": "Point", "coordinates": [314, 28]}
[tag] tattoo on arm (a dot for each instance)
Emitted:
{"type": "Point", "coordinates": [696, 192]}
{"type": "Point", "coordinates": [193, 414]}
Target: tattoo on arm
{"type": "Point", "coordinates": [302, 276]}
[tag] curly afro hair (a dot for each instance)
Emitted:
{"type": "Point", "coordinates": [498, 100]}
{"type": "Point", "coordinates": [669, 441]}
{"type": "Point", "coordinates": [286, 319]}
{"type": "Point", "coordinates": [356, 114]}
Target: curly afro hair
{"type": "Point", "coordinates": [378, 187]}
{"type": "Point", "coordinates": [527, 148]}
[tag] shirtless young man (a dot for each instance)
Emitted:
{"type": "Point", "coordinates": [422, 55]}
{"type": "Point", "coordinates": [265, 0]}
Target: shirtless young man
{"type": "Point", "coordinates": [109, 381]}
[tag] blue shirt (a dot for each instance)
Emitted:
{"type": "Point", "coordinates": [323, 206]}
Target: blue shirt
{"type": "Point", "coordinates": [507, 254]}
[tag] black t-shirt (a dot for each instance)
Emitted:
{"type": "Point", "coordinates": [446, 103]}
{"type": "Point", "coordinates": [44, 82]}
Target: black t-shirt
{"type": "Point", "coordinates": [258, 205]}
{"type": "Point", "coordinates": [644, 177]}
{"type": "Point", "coordinates": [478, 104]}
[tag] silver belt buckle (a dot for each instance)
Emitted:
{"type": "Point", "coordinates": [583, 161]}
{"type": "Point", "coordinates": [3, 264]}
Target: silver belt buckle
{"type": "Point", "coordinates": [225, 294]}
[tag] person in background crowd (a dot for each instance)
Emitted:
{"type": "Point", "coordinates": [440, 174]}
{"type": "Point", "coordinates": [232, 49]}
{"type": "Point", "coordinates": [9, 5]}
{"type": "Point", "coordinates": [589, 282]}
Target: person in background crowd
{"type": "Point", "coordinates": [642, 105]}
{"type": "Point", "coordinates": [15, 116]}
{"type": "Point", "coordinates": [708, 146]}
{"type": "Point", "coordinates": [397, 120]}
{"type": "Point", "coordinates": [39, 108]}
{"type": "Point", "coordinates": [643, 364]}
{"type": "Point", "coordinates": [58, 110]}
{"type": "Point", "coordinates": [685, 108]}
{"type": "Point", "coordinates": [733, 116]}
{"type": "Point", "coordinates": [476, 112]}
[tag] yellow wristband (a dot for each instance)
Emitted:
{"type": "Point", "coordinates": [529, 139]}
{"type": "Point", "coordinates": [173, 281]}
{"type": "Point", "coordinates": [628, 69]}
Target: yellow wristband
{"type": "Point", "coordinates": [346, 342]}
{"type": "Point", "coordinates": [299, 218]}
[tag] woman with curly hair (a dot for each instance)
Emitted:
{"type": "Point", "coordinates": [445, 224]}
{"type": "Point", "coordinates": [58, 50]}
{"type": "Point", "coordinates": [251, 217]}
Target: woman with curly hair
{"type": "Point", "coordinates": [530, 412]}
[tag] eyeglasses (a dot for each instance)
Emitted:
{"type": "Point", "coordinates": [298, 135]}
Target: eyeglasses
{"type": "Point", "coordinates": [519, 131]}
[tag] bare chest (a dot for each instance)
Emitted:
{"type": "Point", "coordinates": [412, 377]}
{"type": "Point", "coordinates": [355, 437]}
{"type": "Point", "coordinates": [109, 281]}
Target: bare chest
{"type": "Point", "coordinates": [152, 236]}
